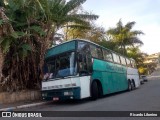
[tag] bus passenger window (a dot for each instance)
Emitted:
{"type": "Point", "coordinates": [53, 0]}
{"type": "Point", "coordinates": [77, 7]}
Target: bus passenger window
{"type": "Point", "coordinates": [83, 47]}
{"type": "Point", "coordinates": [116, 58]}
{"type": "Point", "coordinates": [107, 55]}
{"type": "Point", "coordinates": [85, 64]}
{"type": "Point", "coordinates": [128, 62]}
{"type": "Point", "coordinates": [96, 52]}
{"type": "Point", "coordinates": [123, 62]}
{"type": "Point", "coordinates": [133, 63]}
{"type": "Point", "coordinates": [99, 52]}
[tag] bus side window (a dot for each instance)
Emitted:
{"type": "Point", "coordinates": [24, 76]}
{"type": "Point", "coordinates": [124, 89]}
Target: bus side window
{"type": "Point", "coordinates": [82, 63]}
{"type": "Point", "coordinates": [133, 64]}
{"type": "Point", "coordinates": [123, 62]}
{"type": "Point", "coordinates": [84, 58]}
{"type": "Point", "coordinates": [99, 52]}
{"type": "Point", "coordinates": [128, 62]}
{"type": "Point", "coordinates": [116, 58]}
{"type": "Point", "coordinates": [93, 51]}
{"type": "Point", "coordinates": [96, 52]}
{"type": "Point", "coordinates": [107, 55]}
{"type": "Point", "coordinates": [83, 47]}
{"type": "Point", "coordinates": [85, 64]}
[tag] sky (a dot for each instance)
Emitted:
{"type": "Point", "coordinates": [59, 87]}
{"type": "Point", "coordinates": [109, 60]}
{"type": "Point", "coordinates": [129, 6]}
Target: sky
{"type": "Point", "coordinates": [146, 14]}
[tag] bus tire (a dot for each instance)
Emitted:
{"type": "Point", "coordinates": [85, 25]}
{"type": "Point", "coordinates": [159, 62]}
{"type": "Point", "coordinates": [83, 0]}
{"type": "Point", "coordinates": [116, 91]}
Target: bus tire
{"type": "Point", "coordinates": [100, 91]}
{"type": "Point", "coordinates": [129, 85]}
{"type": "Point", "coordinates": [133, 85]}
{"type": "Point", "coordinates": [94, 91]}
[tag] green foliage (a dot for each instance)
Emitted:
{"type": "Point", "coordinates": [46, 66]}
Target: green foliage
{"type": "Point", "coordinates": [1, 22]}
{"type": "Point", "coordinates": [26, 47]}
{"type": "Point", "coordinates": [90, 32]}
{"type": "Point", "coordinates": [24, 50]}
{"type": "Point", "coordinates": [61, 13]}
{"type": "Point", "coordinates": [124, 36]}
{"type": "Point", "coordinates": [136, 54]}
{"type": "Point", "coordinates": [108, 44]}
{"type": "Point", "coordinates": [5, 44]}
{"type": "Point", "coordinates": [38, 29]}
{"type": "Point", "coordinates": [28, 33]}
{"type": "Point", "coordinates": [18, 34]}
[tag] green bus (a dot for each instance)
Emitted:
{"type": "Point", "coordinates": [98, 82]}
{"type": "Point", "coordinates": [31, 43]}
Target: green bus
{"type": "Point", "coordinates": [79, 69]}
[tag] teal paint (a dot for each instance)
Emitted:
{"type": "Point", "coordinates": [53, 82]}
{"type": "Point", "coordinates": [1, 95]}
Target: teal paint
{"type": "Point", "coordinates": [112, 76]}
{"type": "Point", "coordinates": [71, 45]}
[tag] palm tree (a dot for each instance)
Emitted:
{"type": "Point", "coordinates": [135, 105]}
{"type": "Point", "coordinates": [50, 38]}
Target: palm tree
{"type": "Point", "coordinates": [137, 55]}
{"type": "Point", "coordinates": [34, 23]}
{"type": "Point", "coordinates": [67, 16]}
{"type": "Point", "coordinates": [124, 36]}
{"type": "Point", "coordinates": [92, 32]}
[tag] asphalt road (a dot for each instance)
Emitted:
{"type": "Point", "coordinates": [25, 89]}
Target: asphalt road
{"type": "Point", "coordinates": [145, 98]}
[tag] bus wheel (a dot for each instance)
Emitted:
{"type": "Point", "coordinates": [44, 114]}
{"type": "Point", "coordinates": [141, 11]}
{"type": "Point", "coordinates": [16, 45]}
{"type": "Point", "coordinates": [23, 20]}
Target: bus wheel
{"type": "Point", "coordinates": [129, 85]}
{"type": "Point", "coordinates": [94, 91]}
{"type": "Point", "coordinates": [100, 91]}
{"type": "Point", "coordinates": [133, 84]}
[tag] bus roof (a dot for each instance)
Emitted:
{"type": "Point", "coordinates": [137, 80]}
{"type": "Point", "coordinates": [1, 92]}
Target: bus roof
{"type": "Point", "coordinates": [91, 43]}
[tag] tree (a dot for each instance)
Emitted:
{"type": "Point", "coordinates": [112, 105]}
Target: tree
{"type": "Point", "coordinates": [33, 24]}
{"type": "Point", "coordinates": [90, 32]}
{"type": "Point", "coordinates": [67, 16]}
{"type": "Point", "coordinates": [142, 70]}
{"type": "Point", "coordinates": [137, 55]}
{"type": "Point", "coordinates": [124, 36]}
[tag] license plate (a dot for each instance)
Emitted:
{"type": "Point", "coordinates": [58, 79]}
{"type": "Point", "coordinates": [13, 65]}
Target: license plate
{"type": "Point", "coordinates": [55, 98]}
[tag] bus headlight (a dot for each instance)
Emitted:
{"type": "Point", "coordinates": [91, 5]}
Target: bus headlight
{"type": "Point", "coordinates": [68, 93]}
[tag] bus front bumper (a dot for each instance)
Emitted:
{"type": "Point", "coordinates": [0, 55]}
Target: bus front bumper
{"type": "Point", "coordinates": [61, 94]}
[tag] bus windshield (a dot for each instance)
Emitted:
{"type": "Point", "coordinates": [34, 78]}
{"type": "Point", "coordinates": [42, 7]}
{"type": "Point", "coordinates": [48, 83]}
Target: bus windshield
{"type": "Point", "coordinates": [60, 66]}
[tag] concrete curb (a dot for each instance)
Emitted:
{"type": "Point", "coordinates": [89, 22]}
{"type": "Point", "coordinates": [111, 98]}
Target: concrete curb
{"type": "Point", "coordinates": [25, 106]}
